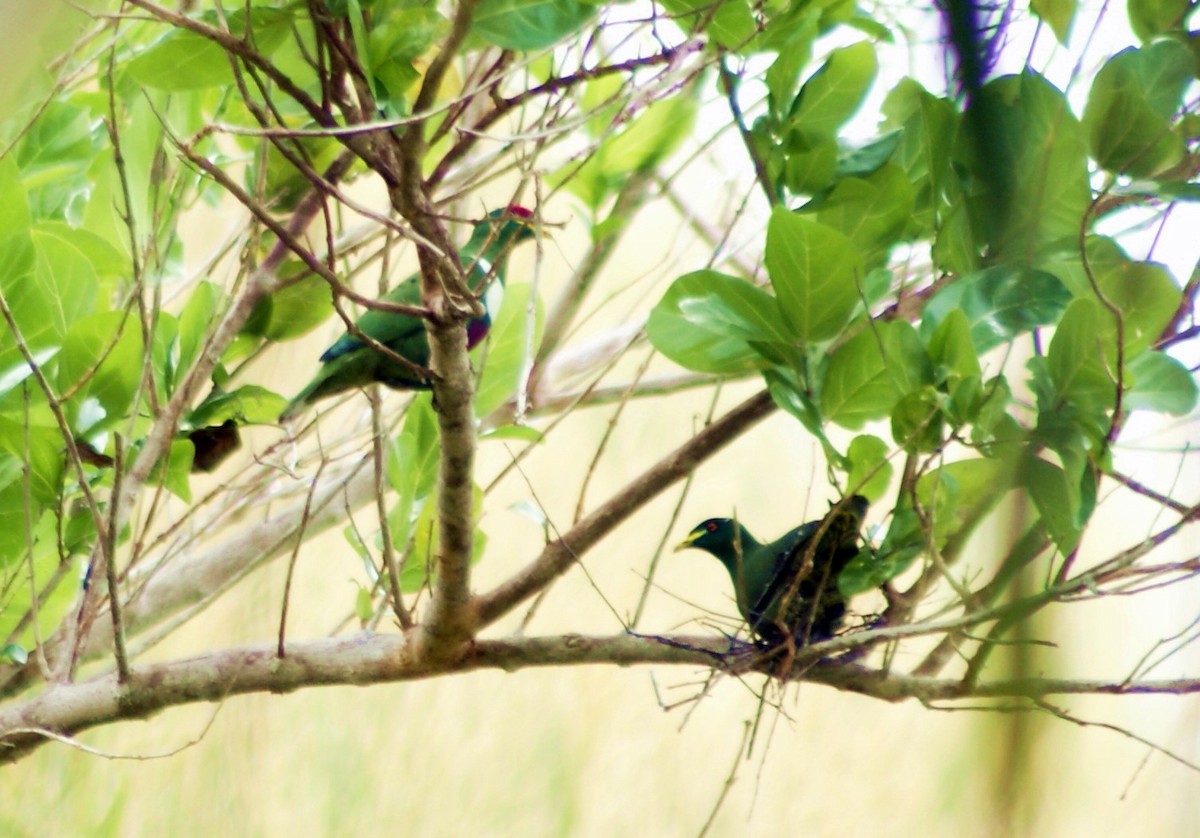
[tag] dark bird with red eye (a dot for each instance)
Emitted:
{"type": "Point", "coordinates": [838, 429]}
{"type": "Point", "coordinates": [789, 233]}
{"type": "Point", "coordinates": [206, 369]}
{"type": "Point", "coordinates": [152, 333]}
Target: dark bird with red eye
{"type": "Point", "coordinates": [350, 362]}
{"type": "Point", "coordinates": [765, 574]}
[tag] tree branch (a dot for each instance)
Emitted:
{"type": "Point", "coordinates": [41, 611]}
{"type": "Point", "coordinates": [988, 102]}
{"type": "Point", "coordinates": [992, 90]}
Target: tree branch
{"type": "Point", "coordinates": [68, 709]}
{"type": "Point", "coordinates": [560, 554]}
{"type": "Point", "coordinates": [447, 620]}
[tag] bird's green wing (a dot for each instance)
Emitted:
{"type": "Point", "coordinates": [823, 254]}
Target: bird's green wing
{"type": "Point", "coordinates": [394, 330]}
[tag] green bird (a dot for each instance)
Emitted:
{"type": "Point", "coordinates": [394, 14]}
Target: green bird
{"type": "Point", "coordinates": [764, 574]}
{"type": "Point", "coordinates": [351, 363]}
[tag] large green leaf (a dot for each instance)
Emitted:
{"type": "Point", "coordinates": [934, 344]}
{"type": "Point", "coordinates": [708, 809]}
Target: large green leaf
{"type": "Point", "coordinates": [41, 448]}
{"type": "Point", "coordinates": [1056, 499]}
{"type": "Point", "coordinates": [1059, 14]}
{"type": "Point", "coordinates": [872, 211]}
{"type": "Point", "coordinates": [1161, 383]}
{"type": "Point", "coordinates": [184, 60]}
{"type": "Point", "coordinates": [293, 310]}
{"type": "Point", "coordinates": [247, 405]}
{"type": "Point", "coordinates": [1144, 292]}
{"type": "Point", "coordinates": [412, 468]}
{"type": "Point", "coordinates": [870, 472]}
{"type": "Point", "coordinates": [835, 92]}
{"type": "Point", "coordinates": [868, 374]}
{"type": "Point", "coordinates": [1082, 357]}
{"type": "Point", "coordinates": [816, 272]}
{"type": "Point", "coordinates": [1035, 147]}
{"type": "Point", "coordinates": [508, 347]}
{"type": "Point", "coordinates": [529, 24]}
{"type": "Point", "coordinates": [46, 563]}
{"type": "Point", "coordinates": [999, 302]}
{"type": "Point", "coordinates": [101, 359]}
{"type": "Point", "coordinates": [1131, 105]}
{"type": "Point", "coordinates": [706, 320]}
{"type": "Point", "coordinates": [951, 348]}
{"type": "Point", "coordinates": [1151, 18]}
{"type": "Point", "coordinates": [959, 494]}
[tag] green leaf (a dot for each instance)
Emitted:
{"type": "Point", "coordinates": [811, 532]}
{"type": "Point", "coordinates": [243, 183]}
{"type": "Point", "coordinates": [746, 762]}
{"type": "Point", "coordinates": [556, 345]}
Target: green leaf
{"type": "Point", "coordinates": [184, 60]}
{"type": "Point", "coordinates": [1082, 356]}
{"type": "Point", "coordinates": [917, 420]}
{"type": "Point", "coordinates": [1042, 154]}
{"type": "Point", "coordinates": [196, 322]}
{"type": "Point", "coordinates": [102, 358]}
{"type": "Point", "coordinates": [364, 605]}
{"type": "Point", "coordinates": [951, 348]}
{"type": "Point", "coordinates": [792, 38]}
{"type": "Point", "coordinates": [1144, 292]}
{"type": "Point", "coordinates": [959, 494]}
{"type": "Point", "coordinates": [248, 405]}
{"type": "Point", "coordinates": [56, 584]}
{"type": "Point", "coordinates": [523, 433]}
{"type": "Point", "coordinates": [1000, 302]}
{"type": "Point", "coordinates": [602, 100]}
{"type": "Point", "coordinates": [176, 475]}
{"type": "Point", "coordinates": [14, 209]}
{"type": "Point", "coordinates": [702, 321]}
{"type": "Point", "coordinates": [870, 471]}
{"type": "Point", "coordinates": [13, 654]}
{"type": "Point", "coordinates": [396, 41]}
{"type": "Point", "coordinates": [654, 134]}
{"type": "Point", "coordinates": [835, 92]}
{"type": "Point", "coordinates": [1151, 18]}
{"type": "Point", "coordinates": [42, 449]}
{"type": "Point", "coordinates": [868, 158]}
{"type": "Point", "coordinates": [732, 25]}
{"type": "Point", "coordinates": [1058, 14]}
{"type": "Point", "coordinates": [871, 211]}
{"type": "Point", "coordinates": [105, 258]}
{"type": "Point", "coordinates": [1161, 383]}
{"type": "Point", "coordinates": [903, 543]}
{"type": "Point", "coordinates": [809, 163]}
{"type": "Point", "coordinates": [298, 308]}
{"type": "Point", "coordinates": [358, 29]}
{"type": "Point", "coordinates": [412, 468]}
{"type": "Point", "coordinates": [507, 348]}
{"type": "Point", "coordinates": [529, 24]}
{"type": "Point", "coordinates": [1056, 500]}
{"type": "Point", "coordinates": [869, 373]}
{"type": "Point", "coordinates": [815, 271]}
{"type": "Point", "coordinates": [1131, 105]}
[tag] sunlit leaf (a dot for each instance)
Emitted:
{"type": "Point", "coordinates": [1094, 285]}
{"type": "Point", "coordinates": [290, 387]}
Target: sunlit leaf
{"type": "Point", "coordinates": [1131, 104]}
{"type": "Point", "coordinates": [507, 351]}
{"type": "Point", "coordinates": [834, 92]}
{"type": "Point", "coordinates": [869, 373]}
{"type": "Point", "coordinates": [184, 60]}
{"type": "Point", "coordinates": [999, 302]}
{"type": "Point", "coordinates": [529, 24]}
{"type": "Point", "coordinates": [870, 472]}
{"type": "Point", "coordinates": [816, 272]}
{"type": "Point", "coordinates": [1161, 383]}
{"type": "Point", "coordinates": [702, 321]}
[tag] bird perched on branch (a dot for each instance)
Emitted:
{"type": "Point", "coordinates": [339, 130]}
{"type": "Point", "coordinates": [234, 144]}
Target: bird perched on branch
{"type": "Point", "coordinates": [771, 596]}
{"type": "Point", "coordinates": [352, 362]}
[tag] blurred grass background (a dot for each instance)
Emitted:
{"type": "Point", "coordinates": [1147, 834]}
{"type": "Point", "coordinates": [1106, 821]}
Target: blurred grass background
{"type": "Point", "coordinates": [591, 751]}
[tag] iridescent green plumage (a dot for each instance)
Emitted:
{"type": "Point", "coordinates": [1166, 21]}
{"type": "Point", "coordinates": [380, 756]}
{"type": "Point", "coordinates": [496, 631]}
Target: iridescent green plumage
{"type": "Point", "coordinates": [770, 595]}
{"type": "Point", "coordinates": [350, 362]}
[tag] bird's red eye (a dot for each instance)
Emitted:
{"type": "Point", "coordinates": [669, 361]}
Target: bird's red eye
{"type": "Point", "coordinates": [711, 526]}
